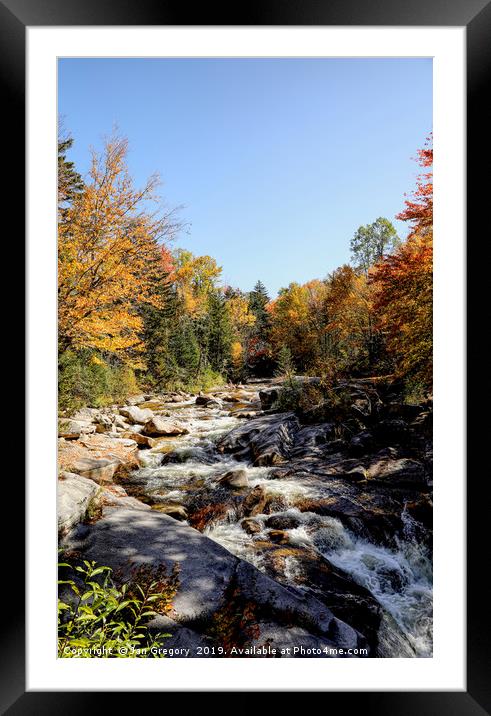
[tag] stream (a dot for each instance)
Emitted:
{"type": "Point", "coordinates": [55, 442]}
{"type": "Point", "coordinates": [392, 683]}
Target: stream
{"type": "Point", "coordinates": [182, 470]}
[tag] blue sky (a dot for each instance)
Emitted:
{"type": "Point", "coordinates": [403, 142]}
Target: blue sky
{"type": "Point", "coordinates": [276, 161]}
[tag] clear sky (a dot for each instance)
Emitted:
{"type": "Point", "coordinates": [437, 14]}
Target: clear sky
{"type": "Point", "coordinates": [276, 161]}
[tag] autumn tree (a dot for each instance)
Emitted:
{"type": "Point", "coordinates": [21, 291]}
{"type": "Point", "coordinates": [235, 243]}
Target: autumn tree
{"type": "Point", "coordinates": [242, 321]}
{"type": "Point", "coordinates": [108, 257]}
{"type": "Point", "coordinates": [294, 322]}
{"type": "Point", "coordinates": [403, 285]}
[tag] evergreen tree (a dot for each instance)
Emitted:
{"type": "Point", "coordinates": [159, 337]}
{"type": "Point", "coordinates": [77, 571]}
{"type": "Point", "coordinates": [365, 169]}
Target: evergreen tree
{"type": "Point", "coordinates": [285, 363]}
{"type": "Point", "coordinates": [258, 299]}
{"type": "Point", "coordinates": [259, 360]}
{"type": "Point", "coordinates": [159, 319]}
{"type": "Point", "coordinates": [219, 333]}
{"type": "Point", "coordinates": [70, 182]}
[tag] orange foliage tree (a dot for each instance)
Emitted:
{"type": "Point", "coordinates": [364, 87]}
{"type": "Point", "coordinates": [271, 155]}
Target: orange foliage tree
{"type": "Point", "coordinates": [403, 284]}
{"type": "Point", "coordinates": [109, 257]}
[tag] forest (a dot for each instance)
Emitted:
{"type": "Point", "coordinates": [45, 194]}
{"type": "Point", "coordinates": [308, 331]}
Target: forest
{"type": "Point", "coordinates": [241, 473]}
{"type": "Point", "coordinates": [136, 313]}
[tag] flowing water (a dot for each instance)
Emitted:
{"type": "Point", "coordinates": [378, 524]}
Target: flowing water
{"type": "Point", "coordinates": [400, 577]}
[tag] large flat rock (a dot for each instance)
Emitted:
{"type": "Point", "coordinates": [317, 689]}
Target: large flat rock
{"type": "Point", "coordinates": [125, 538]}
{"type": "Point", "coordinates": [74, 496]}
{"type": "Point", "coordinates": [209, 575]}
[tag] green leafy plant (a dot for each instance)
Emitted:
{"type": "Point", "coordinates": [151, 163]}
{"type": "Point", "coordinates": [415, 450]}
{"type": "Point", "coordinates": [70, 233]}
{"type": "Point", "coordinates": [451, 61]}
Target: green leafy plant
{"type": "Point", "coordinates": [97, 618]}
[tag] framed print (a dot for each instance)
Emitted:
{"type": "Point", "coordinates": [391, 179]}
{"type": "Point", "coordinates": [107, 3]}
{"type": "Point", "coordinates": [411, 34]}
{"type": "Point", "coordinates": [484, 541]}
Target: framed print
{"type": "Point", "coordinates": [245, 352]}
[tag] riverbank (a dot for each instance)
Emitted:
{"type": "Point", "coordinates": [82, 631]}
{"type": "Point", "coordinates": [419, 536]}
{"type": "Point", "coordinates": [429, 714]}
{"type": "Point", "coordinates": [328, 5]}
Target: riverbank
{"type": "Point", "coordinates": [289, 530]}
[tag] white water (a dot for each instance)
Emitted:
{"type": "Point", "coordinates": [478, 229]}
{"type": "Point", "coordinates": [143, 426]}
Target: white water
{"type": "Point", "coordinates": [400, 578]}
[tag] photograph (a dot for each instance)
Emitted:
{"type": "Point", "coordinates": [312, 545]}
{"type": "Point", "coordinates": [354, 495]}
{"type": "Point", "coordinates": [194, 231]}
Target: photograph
{"type": "Point", "coordinates": [245, 357]}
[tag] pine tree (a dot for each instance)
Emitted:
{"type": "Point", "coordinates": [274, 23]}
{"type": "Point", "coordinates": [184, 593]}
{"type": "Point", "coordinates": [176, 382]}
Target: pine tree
{"type": "Point", "coordinates": [219, 333]}
{"type": "Point", "coordinates": [285, 363]}
{"type": "Point", "coordinates": [70, 182]}
{"type": "Point", "coordinates": [159, 323]}
{"type": "Point", "coordinates": [258, 299]}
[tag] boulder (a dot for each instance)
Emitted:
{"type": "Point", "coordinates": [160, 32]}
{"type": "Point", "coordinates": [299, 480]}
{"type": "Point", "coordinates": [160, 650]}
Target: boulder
{"type": "Point", "coordinates": [87, 415]}
{"type": "Point", "coordinates": [162, 427]}
{"type": "Point", "coordinates": [238, 396]}
{"type": "Point", "coordinates": [290, 604]}
{"type": "Point", "coordinates": [126, 538]}
{"type": "Point", "coordinates": [116, 496]}
{"type": "Point", "coordinates": [268, 397]}
{"type": "Point", "coordinates": [282, 522]}
{"type": "Point", "coordinates": [402, 471]}
{"type": "Point", "coordinates": [207, 573]}
{"type": "Point", "coordinates": [99, 470]}
{"type": "Point", "coordinates": [291, 642]}
{"type": "Point", "coordinates": [235, 478]}
{"type": "Point", "coordinates": [361, 443]}
{"type": "Point", "coordinates": [136, 399]}
{"type": "Point", "coordinates": [119, 422]}
{"type": "Point", "coordinates": [123, 452]}
{"type": "Point", "coordinates": [73, 429]}
{"type": "Point", "coordinates": [74, 497]}
{"type": "Point", "coordinates": [208, 401]}
{"type": "Point", "coordinates": [178, 512]}
{"type": "Point", "coordinates": [260, 501]}
{"type": "Point", "coordinates": [251, 526]}
{"type": "Point", "coordinates": [267, 440]}
{"type": "Point", "coordinates": [103, 423]}
{"type": "Point", "coordinates": [136, 415]}
{"type": "Point", "coordinates": [184, 643]}
{"type": "Point", "coordinates": [255, 502]}
{"type": "Point", "coordinates": [143, 441]}
{"type": "Point", "coordinates": [279, 536]}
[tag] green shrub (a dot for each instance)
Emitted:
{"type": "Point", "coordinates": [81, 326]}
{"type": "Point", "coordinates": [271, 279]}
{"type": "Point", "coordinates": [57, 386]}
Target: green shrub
{"type": "Point", "coordinates": [289, 396]}
{"type": "Point", "coordinates": [84, 378]}
{"type": "Point", "coordinates": [97, 619]}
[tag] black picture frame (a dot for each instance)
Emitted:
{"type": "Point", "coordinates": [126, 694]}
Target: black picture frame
{"type": "Point", "coordinates": [475, 15]}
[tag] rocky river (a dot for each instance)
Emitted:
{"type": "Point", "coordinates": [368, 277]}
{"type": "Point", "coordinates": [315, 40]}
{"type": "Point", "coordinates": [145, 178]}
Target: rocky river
{"type": "Point", "coordinates": [288, 529]}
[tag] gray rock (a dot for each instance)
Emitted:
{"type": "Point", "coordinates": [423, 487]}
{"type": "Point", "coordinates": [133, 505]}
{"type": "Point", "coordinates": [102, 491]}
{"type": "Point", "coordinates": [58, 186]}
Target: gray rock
{"type": "Point", "coordinates": [251, 526]}
{"type": "Point", "coordinates": [268, 397]}
{"type": "Point", "coordinates": [267, 440]}
{"type": "Point", "coordinates": [208, 401]}
{"type": "Point", "coordinates": [99, 470]}
{"type": "Point", "coordinates": [361, 443]}
{"type": "Point", "coordinates": [74, 496]}
{"type": "Point", "coordinates": [178, 512]}
{"type": "Point", "coordinates": [73, 429]}
{"type": "Point", "coordinates": [119, 422]}
{"type": "Point", "coordinates": [136, 415]}
{"type": "Point", "coordinates": [292, 642]}
{"type": "Point", "coordinates": [136, 399]}
{"type": "Point", "coordinates": [103, 423]}
{"type": "Point", "coordinates": [185, 643]}
{"type": "Point", "coordinates": [125, 538]}
{"type": "Point", "coordinates": [403, 471]}
{"type": "Point", "coordinates": [235, 478]}
{"type": "Point", "coordinates": [282, 602]}
{"type": "Point", "coordinates": [158, 426]}
{"type": "Point", "coordinates": [392, 643]}
{"type": "Point", "coordinates": [282, 522]}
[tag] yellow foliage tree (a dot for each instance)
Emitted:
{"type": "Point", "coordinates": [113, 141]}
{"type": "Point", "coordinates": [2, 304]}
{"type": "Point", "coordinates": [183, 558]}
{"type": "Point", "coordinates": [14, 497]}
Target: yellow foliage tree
{"type": "Point", "coordinates": [195, 277]}
{"type": "Point", "coordinates": [109, 257]}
